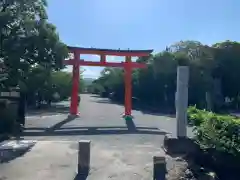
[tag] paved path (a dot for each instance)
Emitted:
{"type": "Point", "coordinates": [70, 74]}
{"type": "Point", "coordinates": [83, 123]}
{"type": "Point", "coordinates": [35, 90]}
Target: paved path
{"type": "Point", "coordinates": [120, 150]}
{"type": "Point", "coordinates": [99, 117]}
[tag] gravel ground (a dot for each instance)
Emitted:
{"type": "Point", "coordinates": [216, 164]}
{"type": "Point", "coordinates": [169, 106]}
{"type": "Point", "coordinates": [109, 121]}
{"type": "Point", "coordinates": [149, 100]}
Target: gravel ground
{"type": "Point", "coordinates": [115, 143]}
{"type": "Point", "coordinates": [107, 162]}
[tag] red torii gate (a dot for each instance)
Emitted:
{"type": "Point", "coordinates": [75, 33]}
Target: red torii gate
{"type": "Point", "coordinates": [128, 65]}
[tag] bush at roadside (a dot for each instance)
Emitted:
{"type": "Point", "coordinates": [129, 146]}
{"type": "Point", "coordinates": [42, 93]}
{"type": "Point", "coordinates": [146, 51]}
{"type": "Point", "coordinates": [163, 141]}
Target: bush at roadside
{"type": "Point", "coordinates": [218, 136]}
{"type": "Point", "coordinates": [220, 132]}
{"type": "Point", "coordinates": [197, 116]}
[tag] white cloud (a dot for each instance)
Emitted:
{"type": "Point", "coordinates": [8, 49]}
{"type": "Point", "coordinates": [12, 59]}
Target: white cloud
{"type": "Point", "coordinates": [88, 57]}
{"type": "Point", "coordinates": [91, 72]}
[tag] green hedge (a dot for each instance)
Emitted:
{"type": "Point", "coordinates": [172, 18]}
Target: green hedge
{"type": "Point", "coordinates": [218, 138]}
{"type": "Point", "coordinates": [197, 116]}
{"type": "Point", "coordinates": [214, 131]}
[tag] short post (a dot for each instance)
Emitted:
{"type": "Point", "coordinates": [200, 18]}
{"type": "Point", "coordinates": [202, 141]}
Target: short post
{"type": "Point", "coordinates": [182, 100]}
{"type": "Point", "coordinates": [159, 168]}
{"type": "Point", "coordinates": [84, 156]}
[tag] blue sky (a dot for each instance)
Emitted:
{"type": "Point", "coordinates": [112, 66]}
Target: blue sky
{"type": "Point", "coordinates": [142, 24]}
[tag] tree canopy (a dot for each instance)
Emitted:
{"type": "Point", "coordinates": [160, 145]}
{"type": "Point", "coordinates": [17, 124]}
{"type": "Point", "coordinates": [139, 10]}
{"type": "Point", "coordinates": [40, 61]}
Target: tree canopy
{"type": "Point", "coordinates": [28, 39]}
{"type": "Point", "coordinates": [31, 52]}
{"type": "Point", "coordinates": [213, 69]}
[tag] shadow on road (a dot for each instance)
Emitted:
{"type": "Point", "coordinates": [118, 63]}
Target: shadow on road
{"type": "Point", "coordinates": [60, 124]}
{"type": "Point", "coordinates": [109, 130]}
{"type": "Point", "coordinates": [139, 107]}
{"type": "Point", "coordinates": [55, 126]}
{"type": "Point", "coordinates": [81, 177]}
{"type": "Point", "coordinates": [52, 110]}
{"type": "Point", "coordinates": [131, 126]}
{"type": "Point", "coordinates": [14, 149]}
{"type": "Point", "coordinates": [59, 130]}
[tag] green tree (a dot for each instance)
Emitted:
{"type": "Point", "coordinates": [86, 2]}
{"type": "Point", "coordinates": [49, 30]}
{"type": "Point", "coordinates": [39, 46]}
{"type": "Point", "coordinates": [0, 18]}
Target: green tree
{"type": "Point", "coordinates": [156, 85]}
{"type": "Point", "coordinates": [227, 55]}
{"type": "Point", "coordinates": [25, 31]}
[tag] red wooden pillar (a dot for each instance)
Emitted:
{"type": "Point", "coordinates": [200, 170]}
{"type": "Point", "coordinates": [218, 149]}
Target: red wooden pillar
{"type": "Point", "coordinates": [128, 87]}
{"type": "Point", "coordinates": [75, 86]}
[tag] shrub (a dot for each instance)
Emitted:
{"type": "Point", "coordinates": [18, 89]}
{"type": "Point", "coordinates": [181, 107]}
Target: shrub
{"type": "Point", "coordinates": [218, 136]}
{"type": "Point", "coordinates": [197, 116]}
{"type": "Point", "coordinates": [220, 133]}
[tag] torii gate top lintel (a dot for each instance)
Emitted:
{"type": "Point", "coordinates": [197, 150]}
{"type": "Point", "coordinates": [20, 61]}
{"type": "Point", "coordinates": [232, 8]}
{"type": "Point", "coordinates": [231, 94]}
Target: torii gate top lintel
{"type": "Point", "coordinates": [110, 52]}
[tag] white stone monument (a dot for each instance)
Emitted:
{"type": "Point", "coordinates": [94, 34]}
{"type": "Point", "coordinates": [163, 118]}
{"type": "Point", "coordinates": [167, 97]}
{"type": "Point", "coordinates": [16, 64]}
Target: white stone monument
{"type": "Point", "coordinates": [182, 100]}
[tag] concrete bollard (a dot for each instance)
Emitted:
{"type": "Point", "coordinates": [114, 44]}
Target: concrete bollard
{"type": "Point", "coordinates": [159, 168]}
{"type": "Point", "coordinates": [84, 156]}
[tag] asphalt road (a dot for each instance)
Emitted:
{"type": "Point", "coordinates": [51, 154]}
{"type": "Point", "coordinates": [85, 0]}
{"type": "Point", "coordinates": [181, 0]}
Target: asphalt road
{"type": "Point", "coordinates": [99, 118]}
{"type": "Point", "coordinates": [119, 149]}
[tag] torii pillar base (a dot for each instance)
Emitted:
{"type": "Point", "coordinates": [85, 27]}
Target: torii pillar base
{"type": "Point", "coordinates": [128, 117]}
{"type": "Point", "coordinates": [73, 116]}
